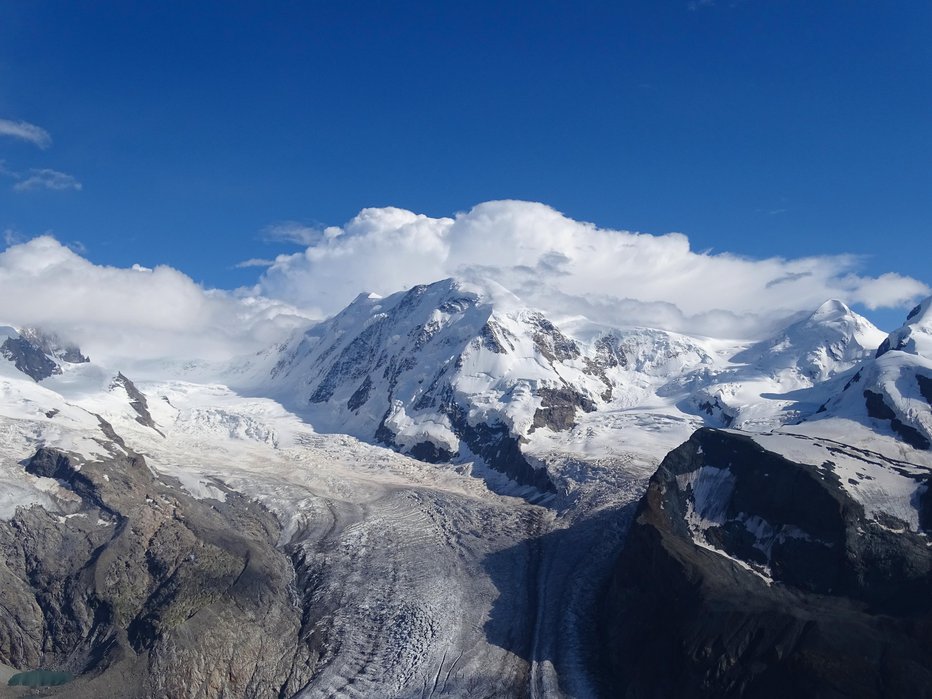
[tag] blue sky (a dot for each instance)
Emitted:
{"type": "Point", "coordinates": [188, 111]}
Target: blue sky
{"type": "Point", "coordinates": [758, 127]}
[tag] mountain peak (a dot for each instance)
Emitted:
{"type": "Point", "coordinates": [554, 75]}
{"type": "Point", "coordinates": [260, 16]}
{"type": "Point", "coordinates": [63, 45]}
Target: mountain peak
{"type": "Point", "coordinates": [831, 339]}
{"type": "Point", "coordinates": [921, 314]}
{"type": "Point", "coordinates": [830, 310]}
{"type": "Point", "coordinates": [915, 335]}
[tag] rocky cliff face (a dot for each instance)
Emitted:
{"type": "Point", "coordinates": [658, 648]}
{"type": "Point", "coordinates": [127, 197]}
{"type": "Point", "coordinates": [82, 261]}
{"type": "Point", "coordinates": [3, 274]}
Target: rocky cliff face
{"type": "Point", "coordinates": [37, 354]}
{"type": "Point", "coordinates": [747, 573]}
{"type": "Point", "coordinates": [142, 590]}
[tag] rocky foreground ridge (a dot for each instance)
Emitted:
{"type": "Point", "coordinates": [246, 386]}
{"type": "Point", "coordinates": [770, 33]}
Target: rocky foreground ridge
{"type": "Point", "coordinates": [748, 574]}
{"type": "Point", "coordinates": [141, 590]}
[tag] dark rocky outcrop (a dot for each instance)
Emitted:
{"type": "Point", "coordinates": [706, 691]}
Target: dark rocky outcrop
{"type": "Point", "coordinates": [493, 443]}
{"type": "Point", "coordinates": [887, 346]}
{"type": "Point", "coordinates": [142, 590]}
{"type": "Point", "coordinates": [52, 345]}
{"type": "Point", "coordinates": [28, 358]}
{"type": "Point", "coordinates": [846, 611]}
{"type": "Point", "coordinates": [360, 395]}
{"type": "Point", "coordinates": [558, 408]}
{"type": "Point", "coordinates": [878, 409]}
{"type": "Point", "coordinates": [498, 447]}
{"type": "Point", "coordinates": [137, 401]}
{"type": "Point", "coordinates": [550, 342]}
{"type": "Point", "coordinates": [925, 387]}
{"type": "Point", "coordinates": [716, 408]}
{"type": "Point", "coordinates": [37, 354]}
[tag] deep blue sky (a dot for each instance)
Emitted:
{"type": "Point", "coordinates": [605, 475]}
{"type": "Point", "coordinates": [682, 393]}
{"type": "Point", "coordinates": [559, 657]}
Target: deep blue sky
{"type": "Point", "coordinates": [760, 127]}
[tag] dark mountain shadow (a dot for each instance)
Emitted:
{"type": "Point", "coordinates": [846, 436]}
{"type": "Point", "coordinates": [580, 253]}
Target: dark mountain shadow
{"type": "Point", "coordinates": [550, 587]}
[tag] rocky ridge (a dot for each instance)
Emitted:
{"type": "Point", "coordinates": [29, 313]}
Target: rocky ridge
{"type": "Point", "coordinates": [141, 590]}
{"type": "Point", "coordinates": [796, 562]}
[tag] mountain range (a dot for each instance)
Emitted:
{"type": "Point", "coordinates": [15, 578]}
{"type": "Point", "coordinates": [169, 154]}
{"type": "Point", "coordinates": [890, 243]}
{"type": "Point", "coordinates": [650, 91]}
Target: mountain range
{"type": "Point", "coordinates": [445, 492]}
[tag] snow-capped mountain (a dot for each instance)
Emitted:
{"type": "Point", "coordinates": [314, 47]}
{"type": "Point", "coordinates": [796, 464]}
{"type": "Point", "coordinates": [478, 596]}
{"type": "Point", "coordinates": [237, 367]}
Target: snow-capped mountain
{"type": "Point", "coordinates": [439, 372]}
{"type": "Point", "coordinates": [800, 554]}
{"type": "Point", "coordinates": [760, 390]}
{"type": "Point", "coordinates": [892, 392]}
{"type": "Point", "coordinates": [915, 336]}
{"type": "Point", "coordinates": [830, 340]}
{"type": "Point", "coordinates": [224, 501]}
{"type": "Point", "coordinates": [451, 371]}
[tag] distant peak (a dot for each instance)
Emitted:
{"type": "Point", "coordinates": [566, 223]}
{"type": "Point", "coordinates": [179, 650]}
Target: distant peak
{"type": "Point", "coordinates": [921, 314]}
{"type": "Point", "coordinates": [915, 335]}
{"type": "Point", "coordinates": [832, 308]}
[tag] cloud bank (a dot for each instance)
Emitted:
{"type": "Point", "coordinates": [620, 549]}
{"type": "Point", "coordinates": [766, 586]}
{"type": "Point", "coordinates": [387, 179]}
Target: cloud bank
{"type": "Point", "coordinates": [118, 314]}
{"type": "Point", "coordinates": [25, 131]}
{"type": "Point", "coordinates": [567, 267]}
{"type": "Point", "coordinates": [564, 267]}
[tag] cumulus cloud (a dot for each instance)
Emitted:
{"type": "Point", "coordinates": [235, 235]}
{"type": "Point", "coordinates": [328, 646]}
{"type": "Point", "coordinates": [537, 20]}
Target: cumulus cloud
{"type": "Point", "coordinates": [568, 267]}
{"type": "Point", "coordinates": [46, 178]}
{"type": "Point", "coordinates": [564, 267]}
{"type": "Point", "coordinates": [116, 314]}
{"type": "Point", "coordinates": [25, 131]}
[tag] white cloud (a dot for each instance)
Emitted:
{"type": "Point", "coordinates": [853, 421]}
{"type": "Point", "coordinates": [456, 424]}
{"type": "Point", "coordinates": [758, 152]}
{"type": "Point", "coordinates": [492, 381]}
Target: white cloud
{"type": "Point", "coordinates": [25, 131]}
{"type": "Point", "coordinates": [139, 313]}
{"type": "Point", "coordinates": [46, 178]}
{"type": "Point", "coordinates": [294, 232]}
{"type": "Point", "coordinates": [254, 262]}
{"type": "Point", "coordinates": [564, 266]}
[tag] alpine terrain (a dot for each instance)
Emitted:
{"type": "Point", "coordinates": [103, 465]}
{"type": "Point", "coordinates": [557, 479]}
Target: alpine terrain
{"type": "Point", "coordinates": [445, 492]}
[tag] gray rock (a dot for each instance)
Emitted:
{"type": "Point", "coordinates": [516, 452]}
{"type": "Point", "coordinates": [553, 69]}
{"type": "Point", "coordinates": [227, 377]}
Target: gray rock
{"type": "Point", "coordinates": [146, 591]}
{"type": "Point", "coordinates": [138, 401]}
{"type": "Point", "coordinates": [28, 358]}
{"type": "Point", "coordinates": [849, 612]}
{"type": "Point", "coordinates": [558, 408]}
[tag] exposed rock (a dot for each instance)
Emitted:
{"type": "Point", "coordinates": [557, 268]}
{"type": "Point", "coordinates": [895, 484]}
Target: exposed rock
{"type": "Point", "coordinates": [558, 407]}
{"type": "Point", "coordinates": [716, 408]}
{"type": "Point", "coordinates": [498, 448]}
{"type": "Point", "coordinates": [489, 337]}
{"type": "Point", "coordinates": [28, 358]}
{"type": "Point", "coordinates": [172, 596]}
{"type": "Point", "coordinates": [876, 408]}
{"type": "Point", "coordinates": [848, 611]}
{"type": "Point", "coordinates": [360, 395]}
{"type": "Point", "coordinates": [915, 335]}
{"type": "Point", "coordinates": [925, 387]}
{"type": "Point", "coordinates": [137, 402]}
{"type": "Point", "coordinates": [53, 346]}
{"type": "Point", "coordinates": [550, 342]}
{"type": "Point", "coordinates": [885, 347]}
{"type": "Point", "coordinates": [352, 363]}
{"type": "Point", "coordinates": [430, 452]}
{"type": "Point", "coordinates": [608, 355]}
